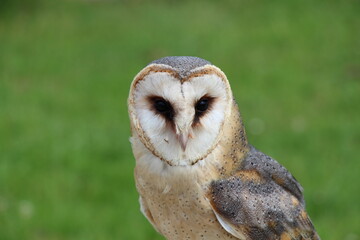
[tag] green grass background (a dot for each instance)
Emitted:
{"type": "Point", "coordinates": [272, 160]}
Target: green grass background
{"type": "Point", "coordinates": [66, 167]}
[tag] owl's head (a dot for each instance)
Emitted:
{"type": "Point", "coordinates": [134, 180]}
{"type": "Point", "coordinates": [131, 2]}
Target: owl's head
{"type": "Point", "coordinates": [178, 106]}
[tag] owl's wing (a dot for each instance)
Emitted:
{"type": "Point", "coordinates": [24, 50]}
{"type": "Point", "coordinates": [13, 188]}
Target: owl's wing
{"type": "Point", "coordinates": [262, 200]}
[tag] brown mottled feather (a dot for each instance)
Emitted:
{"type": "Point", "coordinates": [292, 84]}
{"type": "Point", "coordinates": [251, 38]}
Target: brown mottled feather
{"type": "Point", "coordinates": [262, 200]}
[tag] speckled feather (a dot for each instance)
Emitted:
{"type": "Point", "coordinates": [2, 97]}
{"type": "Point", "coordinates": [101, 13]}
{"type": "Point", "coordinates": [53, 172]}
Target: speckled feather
{"type": "Point", "coordinates": [261, 200]}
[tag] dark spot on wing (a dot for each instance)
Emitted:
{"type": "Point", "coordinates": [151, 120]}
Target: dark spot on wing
{"type": "Point", "coordinates": [258, 233]}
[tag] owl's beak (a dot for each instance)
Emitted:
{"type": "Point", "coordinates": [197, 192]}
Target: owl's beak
{"type": "Point", "coordinates": [183, 138]}
{"type": "Point", "coordinates": [183, 128]}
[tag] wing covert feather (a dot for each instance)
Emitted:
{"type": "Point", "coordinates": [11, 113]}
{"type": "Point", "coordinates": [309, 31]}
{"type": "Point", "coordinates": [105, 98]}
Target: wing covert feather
{"type": "Point", "coordinates": [261, 200]}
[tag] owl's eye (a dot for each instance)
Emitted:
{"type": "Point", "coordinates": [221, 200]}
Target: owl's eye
{"type": "Point", "coordinates": [162, 106]}
{"type": "Point", "coordinates": [202, 105]}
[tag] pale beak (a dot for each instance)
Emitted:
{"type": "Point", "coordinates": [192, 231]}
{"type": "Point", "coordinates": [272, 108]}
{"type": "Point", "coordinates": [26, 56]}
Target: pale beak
{"type": "Point", "coordinates": [183, 138]}
{"type": "Point", "coordinates": [183, 129]}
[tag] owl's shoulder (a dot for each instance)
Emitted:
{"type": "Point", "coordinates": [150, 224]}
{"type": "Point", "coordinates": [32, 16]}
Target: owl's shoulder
{"type": "Point", "coordinates": [270, 170]}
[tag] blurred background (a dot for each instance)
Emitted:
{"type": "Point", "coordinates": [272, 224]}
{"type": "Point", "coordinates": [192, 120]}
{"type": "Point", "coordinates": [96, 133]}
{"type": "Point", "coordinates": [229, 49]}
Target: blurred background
{"type": "Point", "coordinates": [66, 167]}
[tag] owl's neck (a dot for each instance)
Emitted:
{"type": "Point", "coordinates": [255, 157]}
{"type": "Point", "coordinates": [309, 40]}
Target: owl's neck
{"type": "Point", "coordinates": [233, 143]}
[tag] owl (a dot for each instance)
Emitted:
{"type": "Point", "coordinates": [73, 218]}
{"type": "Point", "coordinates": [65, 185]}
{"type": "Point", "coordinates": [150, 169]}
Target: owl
{"type": "Point", "coordinates": [196, 173]}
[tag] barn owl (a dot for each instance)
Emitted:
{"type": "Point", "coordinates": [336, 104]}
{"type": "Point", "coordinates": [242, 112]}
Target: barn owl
{"type": "Point", "coordinates": [196, 173]}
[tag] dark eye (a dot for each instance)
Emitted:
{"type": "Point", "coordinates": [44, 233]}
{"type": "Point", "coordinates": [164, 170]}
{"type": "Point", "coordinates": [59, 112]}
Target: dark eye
{"type": "Point", "coordinates": [202, 105]}
{"type": "Point", "coordinates": [162, 106]}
